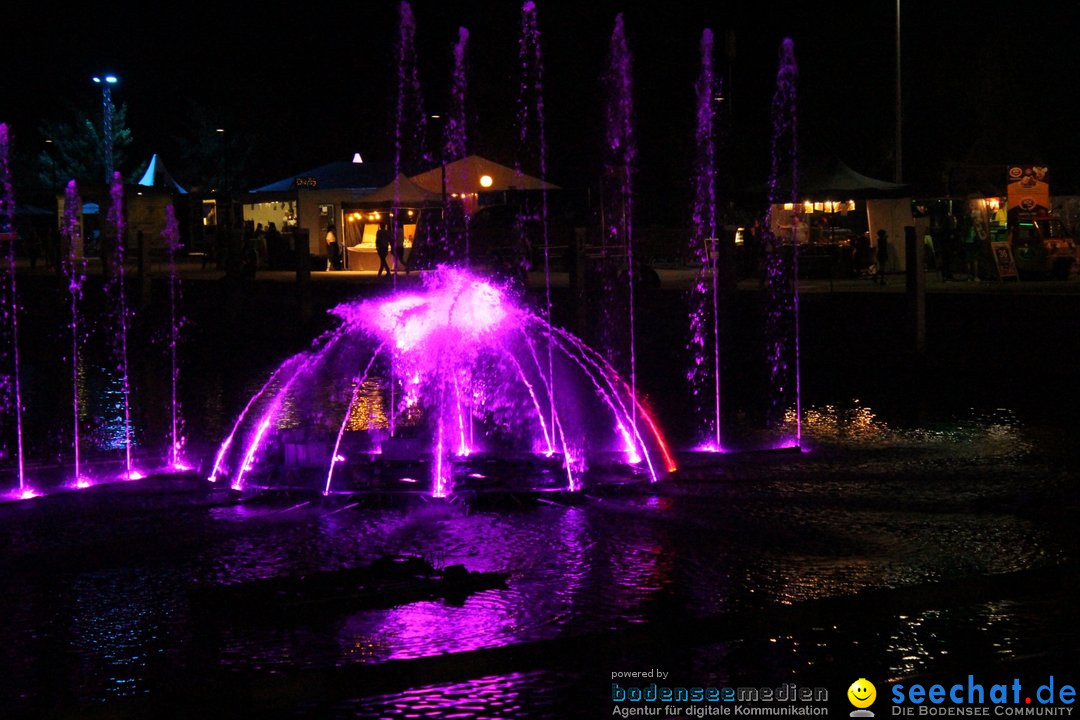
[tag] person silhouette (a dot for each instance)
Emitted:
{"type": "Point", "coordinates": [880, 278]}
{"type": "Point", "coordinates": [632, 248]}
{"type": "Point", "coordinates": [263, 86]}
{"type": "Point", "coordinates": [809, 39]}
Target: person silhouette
{"type": "Point", "coordinates": [383, 239]}
{"type": "Point", "coordinates": [882, 256]}
{"type": "Point", "coordinates": [333, 250]}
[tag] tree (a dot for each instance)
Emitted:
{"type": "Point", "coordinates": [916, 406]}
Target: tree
{"type": "Point", "coordinates": [211, 158]}
{"type": "Point", "coordinates": [77, 150]}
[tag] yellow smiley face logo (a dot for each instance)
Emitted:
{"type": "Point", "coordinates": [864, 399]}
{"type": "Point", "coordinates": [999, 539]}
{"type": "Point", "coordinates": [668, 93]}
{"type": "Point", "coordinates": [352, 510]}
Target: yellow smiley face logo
{"type": "Point", "coordinates": [862, 693]}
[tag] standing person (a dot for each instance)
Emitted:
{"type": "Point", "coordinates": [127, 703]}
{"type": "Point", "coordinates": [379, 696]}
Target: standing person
{"type": "Point", "coordinates": [275, 253]}
{"type": "Point", "coordinates": [971, 250]}
{"type": "Point", "coordinates": [948, 246]}
{"type": "Point", "coordinates": [882, 256]}
{"type": "Point", "coordinates": [260, 247]}
{"type": "Point", "coordinates": [382, 248]}
{"type": "Point", "coordinates": [333, 250]}
{"type": "Point", "coordinates": [398, 248]}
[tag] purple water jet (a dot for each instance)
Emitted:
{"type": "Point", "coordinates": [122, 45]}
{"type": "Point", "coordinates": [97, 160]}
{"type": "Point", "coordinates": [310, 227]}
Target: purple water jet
{"type": "Point", "coordinates": [782, 277]}
{"type": "Point", "coordinates": [171, 235]}
{"type": "Point", "coordinates": [409, 151]}
{"type": "Point", "coordinates": [455, 144]}
{"type": "Point", "coordinates": [410, 121]}
{"type": "Point", "coordinates": [531, 129]}
{"type": "Point", "coordinates": [117, 289]}
{"type": "Point", "coordinates": [335, 458]}
{"type": "Point", "coordinates": [704, 304]}
{"type": "Point", "coordinates": [621, 154]}
{"type": "Point", "coordinates": [11, 298]}
{"type": "Point", "coordinates": [75, 272]}
{"type": "Point", "coordinates": [455, 141]}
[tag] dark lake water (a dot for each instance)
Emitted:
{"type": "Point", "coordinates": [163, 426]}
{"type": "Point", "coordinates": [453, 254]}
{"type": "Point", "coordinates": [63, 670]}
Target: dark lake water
{"type": "Point", "coordinates": [898, 489]}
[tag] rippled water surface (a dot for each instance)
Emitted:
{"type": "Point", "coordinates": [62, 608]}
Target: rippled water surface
{"type": "Point", "coordinates": [96, 584]}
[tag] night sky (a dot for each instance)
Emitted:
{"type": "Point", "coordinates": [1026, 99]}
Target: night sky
{"type": "Point", "coordinates": [309, 83]}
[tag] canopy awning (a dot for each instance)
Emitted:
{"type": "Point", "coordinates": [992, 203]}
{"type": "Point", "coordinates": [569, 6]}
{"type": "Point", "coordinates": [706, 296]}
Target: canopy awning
{"type": "Point", "coordinates": [464, 177]}
{"type": "Point", "coordinates": [401, 192]}
{"type": "Point", "coordinates": [833, 177]}
{"type": "Point", "coordinates": [338, 175]}
{"type": "Point", "coordinates": [157, 176]}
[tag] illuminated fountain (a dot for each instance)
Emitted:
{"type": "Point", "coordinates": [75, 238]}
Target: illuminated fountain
{"type": "Point", "coordinates": [472, 391]}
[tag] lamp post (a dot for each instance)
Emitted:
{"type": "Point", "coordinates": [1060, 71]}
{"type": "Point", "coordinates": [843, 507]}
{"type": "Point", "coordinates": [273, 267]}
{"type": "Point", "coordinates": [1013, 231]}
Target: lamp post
{"type": "Point", "coordinates": [106, 82]}
{"type": "Point", "coordinates": [225, 213]}
{"type": "Point", "coordinates": [898, 173]}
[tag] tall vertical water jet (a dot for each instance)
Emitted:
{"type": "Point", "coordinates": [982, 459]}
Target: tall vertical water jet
{"type": "Point", "coordinates": [75, 272]}
{"type": "Point", "coordinates": [531, 135]}
{"type": "Point", "coordinates": [11, 298]}
{"type": "Point", "coordinates": [410, 121]}
{"type": "Point", "coordinates": [171, 235]}
{"type": "Point", "coordinates": [410, 136]}
{"type": "Point", "coordinates": [704, 304]}
{"type": "Point", "coordinates": [621, 153]}
{"type": "Point", "coordinates": [116, 220]}
{"type": "Point", "coordinates": [455, 142]}
{"type": "Point", "coordinates": [782, 276]}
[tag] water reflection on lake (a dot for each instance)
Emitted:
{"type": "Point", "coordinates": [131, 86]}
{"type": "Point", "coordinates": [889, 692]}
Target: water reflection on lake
{"type": "Point", "coordinates": [101, 581]}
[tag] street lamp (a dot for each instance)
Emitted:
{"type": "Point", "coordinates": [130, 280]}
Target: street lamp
{"type": "Point", "coordinates": [106, 82]}
{"type": "Point", "coordinates": [226, 211]}
{"type": "Point", "coordinates": [223, 185]}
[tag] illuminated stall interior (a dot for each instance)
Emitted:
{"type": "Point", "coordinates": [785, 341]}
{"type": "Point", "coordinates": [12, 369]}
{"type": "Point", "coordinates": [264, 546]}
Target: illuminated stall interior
{"type": "Point", "coordinates": [401, 203]}
{"type": "Point", "coordinates": [313, 199]}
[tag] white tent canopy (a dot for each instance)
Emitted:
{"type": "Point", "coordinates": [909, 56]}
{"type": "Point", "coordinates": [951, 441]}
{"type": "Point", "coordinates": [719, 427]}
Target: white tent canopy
{"type": "Point", "coordinates": [157, 176]}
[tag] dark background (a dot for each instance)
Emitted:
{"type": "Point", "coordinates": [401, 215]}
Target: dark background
{"type": "Point", "coordinates": [984, 83]}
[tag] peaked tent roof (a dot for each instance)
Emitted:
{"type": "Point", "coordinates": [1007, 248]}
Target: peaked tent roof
{"type": "Point", "coordinates": [463, 176]}
{"type": "Point", "coordinates": [406, 193]}
{"type": "Point", "coordinates": [341, 174]}
{"type": "Point", "coordinates": [157, 176]}
{"type": "Point", "coordinates": [822, 177]}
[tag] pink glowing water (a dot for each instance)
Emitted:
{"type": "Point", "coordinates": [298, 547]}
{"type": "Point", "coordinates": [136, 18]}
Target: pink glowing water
{"type": "Point", "coordinates": [782, 322]}
{"type": "Point", "coordinates": [171, 235]}
{"type": "Point", "coordinates": [10, 292]}
{"type": "Point", "coordinates": [469, 380]}
{"type": "Point", "coordinates": [619, 167]}
{"type": "Point", "coordinates": [531, 125]}
{"type": "Point", "coordinates": [455, 146]}
{"type": "Point", "coordinates": [704, 315]}
{"type": "Point", "coordinates": [119, 271]}
{"type": "Point", "coordinates": [75, 270]}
